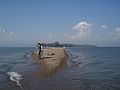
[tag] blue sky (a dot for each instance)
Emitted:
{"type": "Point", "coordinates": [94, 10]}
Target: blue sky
{"type": "Point", "coordinates": [26, 22]}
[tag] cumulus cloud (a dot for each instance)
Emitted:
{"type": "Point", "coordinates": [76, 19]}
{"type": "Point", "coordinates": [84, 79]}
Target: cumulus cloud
{"type": "Point", "coordinates": [102, 35]}
{"type": "Point", "coordinates": [84, 30]}
{"type": "Point", "coordinates": [104, 26]}
{"type": "Point", "coordinates": [82, 26]}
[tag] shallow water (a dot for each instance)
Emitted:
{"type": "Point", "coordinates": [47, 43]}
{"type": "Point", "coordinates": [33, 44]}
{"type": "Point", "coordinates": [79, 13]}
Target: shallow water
{"type": "Point", "coordinates": [86, 69]}
{"type": "Point", "coordinates": [15, 60]}
{"type": "Point", "coordinates": [100, 67]}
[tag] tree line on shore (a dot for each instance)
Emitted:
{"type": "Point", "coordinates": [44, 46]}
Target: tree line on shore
{"type": "Point", "coordinates": [57, 44]}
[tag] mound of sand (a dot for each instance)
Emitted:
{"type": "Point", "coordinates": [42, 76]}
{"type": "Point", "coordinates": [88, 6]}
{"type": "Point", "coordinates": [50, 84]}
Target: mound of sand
{"type": "Point", "coordinates": [53, 59]}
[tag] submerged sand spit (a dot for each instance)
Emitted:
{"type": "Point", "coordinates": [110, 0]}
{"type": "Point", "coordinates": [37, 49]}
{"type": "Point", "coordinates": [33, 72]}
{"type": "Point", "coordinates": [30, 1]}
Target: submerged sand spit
{"type": "Point", "coordinates": [53, 59]}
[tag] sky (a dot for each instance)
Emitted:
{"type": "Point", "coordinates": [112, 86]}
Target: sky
{"type": "Point", "coordinates": [26, 22]}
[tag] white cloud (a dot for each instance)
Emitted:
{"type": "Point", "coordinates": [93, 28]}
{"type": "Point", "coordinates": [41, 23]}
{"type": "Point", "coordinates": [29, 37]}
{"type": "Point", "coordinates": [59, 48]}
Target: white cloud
{"type": "Point", "coordinates": [10, 34]}
{"type": "Point", "coordinates": [84, 30]}
{"type": "Point", "coordinates": [104, 26]}
{"type": "Point", "coordinates": [2, 30]}
{"type": "Point", "coordinates": [5, 35]}
{"type": "Point", "coordinates": [82, 26]}
{"type": "Point", "coordinates": [50, 35]}
{"type": "Point", "coordinates": [102, 36]}
{"type": "Point", "coordinates": [117, 32]}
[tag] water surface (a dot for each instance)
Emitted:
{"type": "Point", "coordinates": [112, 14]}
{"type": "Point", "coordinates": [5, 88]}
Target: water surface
{"type": "Point", "coordinates": [87, 69]}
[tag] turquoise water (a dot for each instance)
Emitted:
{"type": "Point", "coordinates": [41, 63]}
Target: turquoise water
{"type": "Point", "coordinates": [87, 69]}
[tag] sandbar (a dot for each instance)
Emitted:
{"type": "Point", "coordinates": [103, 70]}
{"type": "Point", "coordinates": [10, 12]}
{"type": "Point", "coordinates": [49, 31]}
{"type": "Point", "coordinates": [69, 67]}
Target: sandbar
{"type": "Point", "coordinates": [53, 60]}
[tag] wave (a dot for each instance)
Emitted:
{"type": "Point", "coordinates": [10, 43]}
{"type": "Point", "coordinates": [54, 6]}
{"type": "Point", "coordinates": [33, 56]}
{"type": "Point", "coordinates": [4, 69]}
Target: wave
{"type": "Point", "coordinates": [15, 77]}
{"type": "Point", "coordinates": [27, 55]}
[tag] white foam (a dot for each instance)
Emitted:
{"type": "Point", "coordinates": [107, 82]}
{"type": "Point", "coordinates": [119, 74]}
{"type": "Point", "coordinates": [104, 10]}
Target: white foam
{"type": "Point", "coordinates": [15, 77]}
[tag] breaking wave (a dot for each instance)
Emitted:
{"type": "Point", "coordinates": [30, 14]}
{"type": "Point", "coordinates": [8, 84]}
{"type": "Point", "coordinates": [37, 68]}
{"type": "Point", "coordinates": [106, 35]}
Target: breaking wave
{"type": "Point", "coordinates": [15, 77]}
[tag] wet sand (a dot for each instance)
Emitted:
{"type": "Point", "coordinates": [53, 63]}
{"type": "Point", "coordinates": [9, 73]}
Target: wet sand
{"type": "Point", "coordinates": [53, 59]}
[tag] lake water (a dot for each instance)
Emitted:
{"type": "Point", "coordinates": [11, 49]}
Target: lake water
{"type": "Point", "coordinates": [96, 68]}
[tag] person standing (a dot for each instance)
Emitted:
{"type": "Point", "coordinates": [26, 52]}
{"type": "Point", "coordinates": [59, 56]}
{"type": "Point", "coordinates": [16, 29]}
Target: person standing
{"type": "Point", "coordinates": [39, 49]}
{"type": "Point", "coordinates": [42, 48]}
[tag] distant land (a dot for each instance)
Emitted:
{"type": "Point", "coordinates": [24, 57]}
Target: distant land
{"type": "Point", "coordinates": [57, 44]}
